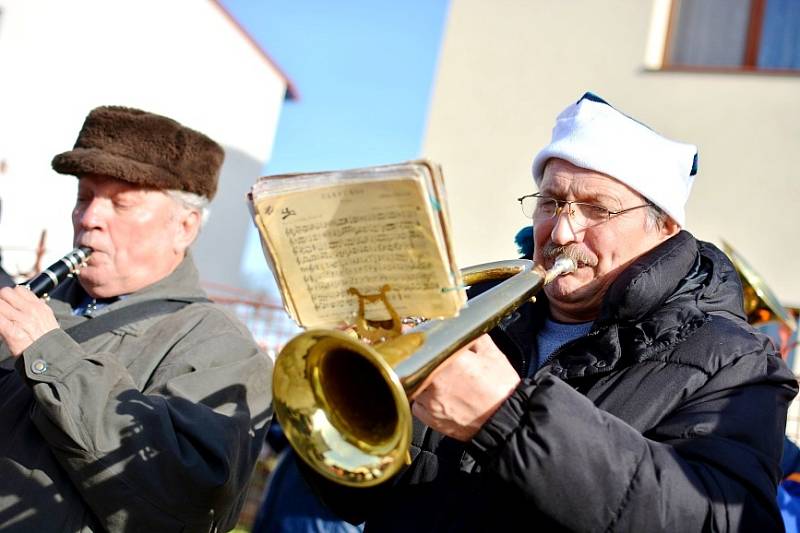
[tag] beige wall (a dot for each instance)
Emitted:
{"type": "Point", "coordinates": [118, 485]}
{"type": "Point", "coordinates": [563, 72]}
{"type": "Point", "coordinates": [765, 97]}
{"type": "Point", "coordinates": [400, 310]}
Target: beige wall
{"type": "Point", "coordinates": [508, 67]}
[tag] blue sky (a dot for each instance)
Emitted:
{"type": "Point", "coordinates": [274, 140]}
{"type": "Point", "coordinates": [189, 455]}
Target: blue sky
{"type": "Point", "coordinates": [364, 70]}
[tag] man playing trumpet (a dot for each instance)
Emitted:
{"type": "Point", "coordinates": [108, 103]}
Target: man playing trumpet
{"type": "Point", "coordinates": [631, 396]}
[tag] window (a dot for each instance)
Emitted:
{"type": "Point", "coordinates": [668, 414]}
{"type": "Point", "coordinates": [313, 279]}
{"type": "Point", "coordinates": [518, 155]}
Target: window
{"type": "Point", "coordinates": [734, 34]}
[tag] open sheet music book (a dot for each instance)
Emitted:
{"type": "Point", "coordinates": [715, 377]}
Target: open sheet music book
{"type": "Point", "coordinates": [328, 235]}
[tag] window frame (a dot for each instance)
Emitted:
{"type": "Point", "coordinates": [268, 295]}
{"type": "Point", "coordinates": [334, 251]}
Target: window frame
{"type": "Point", "coordinates": [749, 63]}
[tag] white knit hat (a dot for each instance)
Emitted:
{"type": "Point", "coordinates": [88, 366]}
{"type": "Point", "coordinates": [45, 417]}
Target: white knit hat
{"type": "Point", "coordinates": [593, 135]}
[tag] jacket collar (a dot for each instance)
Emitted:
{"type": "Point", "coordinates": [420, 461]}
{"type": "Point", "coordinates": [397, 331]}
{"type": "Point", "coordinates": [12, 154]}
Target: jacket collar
{"type": "Point", "coordinates": [636, 319]}
{"type": "Point", "coordinates": [183, 282]}
{"type": "Point", "coordinates": [647, 283]}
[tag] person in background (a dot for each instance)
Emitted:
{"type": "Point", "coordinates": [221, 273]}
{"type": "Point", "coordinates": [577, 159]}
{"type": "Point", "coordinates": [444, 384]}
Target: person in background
{"type": "Point", "coordinates": [789, 487]}
{"type": "Point", "coordinates": [790, 460]}
{"type": "Point", "coordinates": [289, 504]}
{"type": "Point", "coordinates": [129, 401]}
{"type": "Point", "coordinates": [632, 395]}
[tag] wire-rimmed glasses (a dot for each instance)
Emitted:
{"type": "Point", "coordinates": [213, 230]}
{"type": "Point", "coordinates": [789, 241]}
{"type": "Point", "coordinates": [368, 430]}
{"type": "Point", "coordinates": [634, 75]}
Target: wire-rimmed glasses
{"type": "Point", "coordinates": [538, 207]}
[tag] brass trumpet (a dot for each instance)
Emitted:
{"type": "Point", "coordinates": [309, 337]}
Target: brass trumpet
{"type": "Point", "coordinates": [344, 405]}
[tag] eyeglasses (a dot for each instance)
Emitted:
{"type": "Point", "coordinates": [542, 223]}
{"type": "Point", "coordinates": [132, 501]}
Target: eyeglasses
{"type": "Point", "coordinates": [581, 214]}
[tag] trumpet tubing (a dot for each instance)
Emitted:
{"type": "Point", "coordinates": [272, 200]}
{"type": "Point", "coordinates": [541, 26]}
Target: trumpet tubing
{"type": "Point", "coordinates": [344, 405]}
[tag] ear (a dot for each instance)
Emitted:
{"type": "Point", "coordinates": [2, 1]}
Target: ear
{"type": "Point", "coordinates": [670, 228]}
{"type": "Point", "coordinates": [189, 221]}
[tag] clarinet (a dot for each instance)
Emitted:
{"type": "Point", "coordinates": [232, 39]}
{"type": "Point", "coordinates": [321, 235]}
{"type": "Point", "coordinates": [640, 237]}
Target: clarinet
{"type": "Point", "coordinates": [52, 276]}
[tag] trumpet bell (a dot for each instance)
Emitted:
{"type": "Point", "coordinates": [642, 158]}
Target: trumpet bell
{"type": "Point", "coordinates": [323, 375]}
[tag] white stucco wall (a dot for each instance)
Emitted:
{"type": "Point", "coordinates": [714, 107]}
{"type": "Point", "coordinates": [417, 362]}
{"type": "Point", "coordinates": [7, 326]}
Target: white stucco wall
{"type": "Point", "coordinates": [58, 60]}
{"type": "Point", "coordinates": [508, 67]}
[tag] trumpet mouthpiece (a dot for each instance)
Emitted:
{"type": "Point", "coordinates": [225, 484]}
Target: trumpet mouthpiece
{"type": "Point", "coordinates": [563, 265]}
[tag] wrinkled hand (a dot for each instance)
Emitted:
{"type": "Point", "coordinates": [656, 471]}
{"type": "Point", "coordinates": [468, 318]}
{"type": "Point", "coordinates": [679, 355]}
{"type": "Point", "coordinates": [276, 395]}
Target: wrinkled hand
{"type": "Point", "coordinates": [466, 390]}
{"type": "Point", "coordinates": [23, 318]}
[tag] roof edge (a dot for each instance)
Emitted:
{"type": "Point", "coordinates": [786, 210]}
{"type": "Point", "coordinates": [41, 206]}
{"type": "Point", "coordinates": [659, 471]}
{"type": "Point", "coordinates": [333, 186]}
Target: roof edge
{"type": "Point", "coordinates": [291, 90]}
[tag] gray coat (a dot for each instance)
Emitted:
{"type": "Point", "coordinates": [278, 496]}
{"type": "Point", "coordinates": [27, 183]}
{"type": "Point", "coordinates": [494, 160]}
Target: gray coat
{"type": "Point", "coordinates": [154, 426]}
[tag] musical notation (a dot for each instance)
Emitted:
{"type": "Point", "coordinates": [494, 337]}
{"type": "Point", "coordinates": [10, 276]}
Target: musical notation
{"type": "Point", "coordinates": [363, 234]}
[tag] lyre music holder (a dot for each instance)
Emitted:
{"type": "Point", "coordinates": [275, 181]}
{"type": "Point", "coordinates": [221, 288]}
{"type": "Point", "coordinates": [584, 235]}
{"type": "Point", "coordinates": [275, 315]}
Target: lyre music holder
{"type": "Point", "coordinates": [375, 330]}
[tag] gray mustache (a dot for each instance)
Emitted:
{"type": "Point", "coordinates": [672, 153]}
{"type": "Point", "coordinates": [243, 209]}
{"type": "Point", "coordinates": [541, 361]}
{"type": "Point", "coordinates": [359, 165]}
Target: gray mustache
{"type": "Point", "coordinates": [574, 251]}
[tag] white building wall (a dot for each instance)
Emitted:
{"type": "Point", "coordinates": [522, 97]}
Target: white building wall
{"type": "Point", "coordinates": [508, 67]}
{"type": "Point", "coordinates": [58, 60]}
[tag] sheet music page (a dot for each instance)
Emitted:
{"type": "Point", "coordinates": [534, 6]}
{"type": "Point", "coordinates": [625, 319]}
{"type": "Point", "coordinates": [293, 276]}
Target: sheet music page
{"type": "Point", "coordinates": [363, 235]}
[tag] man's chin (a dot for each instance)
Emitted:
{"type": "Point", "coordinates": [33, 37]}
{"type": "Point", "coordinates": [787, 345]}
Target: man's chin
{"type": "Point", "coordinates": [568, 289]}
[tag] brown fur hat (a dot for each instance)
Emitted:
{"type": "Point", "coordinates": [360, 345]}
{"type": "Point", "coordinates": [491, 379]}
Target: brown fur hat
{"type": "Point", "coordinates": [145, 149]}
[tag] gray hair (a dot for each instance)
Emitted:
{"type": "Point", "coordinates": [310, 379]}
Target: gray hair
{"type": "Point", "coordinates": [191, 201]}
{"type": "Point", "coordinates": [655, 218]}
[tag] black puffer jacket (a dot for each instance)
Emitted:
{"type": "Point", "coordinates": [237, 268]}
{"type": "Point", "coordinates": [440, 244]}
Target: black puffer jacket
{"type": "Point", "coordinates": [668, 416]}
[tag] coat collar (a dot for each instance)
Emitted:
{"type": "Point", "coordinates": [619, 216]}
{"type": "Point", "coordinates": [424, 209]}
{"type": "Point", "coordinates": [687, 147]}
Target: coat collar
{"type": "Point", "coordinates": [635, 320]}
{"type": "Point", "coordinates": [183, 282]}
{"type": "Point", "coordinates": [647, 283]}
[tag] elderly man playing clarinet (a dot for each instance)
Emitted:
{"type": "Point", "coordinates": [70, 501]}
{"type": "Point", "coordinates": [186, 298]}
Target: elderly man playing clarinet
{"type": "Point", "coordinates": [129, 401]}
{"type": "Point", "coordinates": [632, 395]}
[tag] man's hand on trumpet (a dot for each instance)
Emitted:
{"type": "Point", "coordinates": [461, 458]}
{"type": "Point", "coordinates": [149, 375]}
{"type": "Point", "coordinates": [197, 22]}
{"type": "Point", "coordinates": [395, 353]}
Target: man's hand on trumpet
{"type": "Point", "coordinates": [463, 393]}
